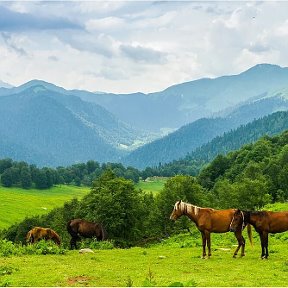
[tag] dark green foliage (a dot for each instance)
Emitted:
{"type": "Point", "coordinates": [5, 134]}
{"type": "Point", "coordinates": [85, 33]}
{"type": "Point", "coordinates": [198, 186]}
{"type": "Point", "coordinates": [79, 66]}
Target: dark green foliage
{"type": "Point", "coordinates": [180, 187]}
{"type": "Point", "coordinates": [7, 178]}
{"type": "Point", "coordinates": [25, 176]}
{"type": "Point", "coordinates": [191, 164]}
{"type": "Point", "coordinates": [116, 203]}
{"type": "Point", "coordinates": [247, 178]}
{"type": "Point", "coordinates": [250, 177]}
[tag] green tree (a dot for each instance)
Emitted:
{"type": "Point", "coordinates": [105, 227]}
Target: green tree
{"type": "Point", "coordinates": [180, 187]}
{"type": "Point", "coordinates": [25, 178]}
{"type": "Point", "coordinates": [5, 164]}
{"type": "Point", "coordinates": [7, 178]}
{"type": "Point", "coordinates": [116, 203]}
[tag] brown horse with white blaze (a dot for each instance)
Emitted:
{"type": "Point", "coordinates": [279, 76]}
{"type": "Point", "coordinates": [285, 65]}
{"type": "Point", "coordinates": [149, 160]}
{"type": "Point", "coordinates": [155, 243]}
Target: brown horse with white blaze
{"type": "Point", "coordinates": [264, 222]}
{"type": "Point", "coordinates": [209, 221]}
{"type": "Point", "coordinates": [38, 233]}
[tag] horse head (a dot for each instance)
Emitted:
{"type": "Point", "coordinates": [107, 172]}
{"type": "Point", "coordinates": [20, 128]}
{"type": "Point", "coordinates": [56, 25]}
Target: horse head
{"type": "Point", "coordinates": [237, 221]}
{"type": "Point", "coordinates": [177, 210]}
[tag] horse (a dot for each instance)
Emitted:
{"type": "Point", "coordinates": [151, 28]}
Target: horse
{"type": "Point", "coordinates": [264, 222]}
{"type": "Point", "coordinates": [209, 221]}
{"type": "Point", "coordinates": [38, 233]}
{"type": "Point", "coordinates": [86, 229]}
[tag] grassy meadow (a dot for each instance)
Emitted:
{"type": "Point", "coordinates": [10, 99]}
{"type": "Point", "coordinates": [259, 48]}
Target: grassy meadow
{"type": "Point", "coordinates": [17, 203]}
{"type": "Point", "coordinates": [170, 263]}
{"type": "Point", "coordinates": [153, 185]}
{"type": "Point", "coordinates": [174, 261]}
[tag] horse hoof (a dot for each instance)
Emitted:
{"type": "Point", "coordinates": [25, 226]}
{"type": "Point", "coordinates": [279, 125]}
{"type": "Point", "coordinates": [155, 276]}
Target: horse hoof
{"type": "Point", "coordinates": [234, 256]}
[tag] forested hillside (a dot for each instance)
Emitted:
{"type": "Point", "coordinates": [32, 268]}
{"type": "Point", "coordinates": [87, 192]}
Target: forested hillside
{"type": "Point", "coordinates": [191, 164]}
{"type": "Point", "coordinates": [189, 137]}
{"type": "Point", "coordinates": [50, 128]}
{"type": "Point", "coordinates": [249, 178]}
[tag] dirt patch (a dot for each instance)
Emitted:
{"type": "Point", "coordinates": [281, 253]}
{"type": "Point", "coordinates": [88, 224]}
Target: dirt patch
{"type": "Point", "coordinates": [79, 280]}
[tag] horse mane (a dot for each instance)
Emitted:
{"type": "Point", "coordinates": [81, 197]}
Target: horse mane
{"type": "Point", "coordinates": [256, 213]}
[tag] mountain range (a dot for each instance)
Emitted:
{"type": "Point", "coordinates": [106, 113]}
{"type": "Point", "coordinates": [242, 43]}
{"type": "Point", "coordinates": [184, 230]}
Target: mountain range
{"type": "Point", "coordinates": [45, 124]}
{"type": "Point", "coordinates": [184, 103]}
{"type": "Point", "coordinates": [49, 128]}
{"type": "Point", "coordinates": [191, 136]}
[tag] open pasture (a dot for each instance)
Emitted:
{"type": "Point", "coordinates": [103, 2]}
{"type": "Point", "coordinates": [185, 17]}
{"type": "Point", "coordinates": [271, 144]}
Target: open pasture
{"type": "Point", "coordinates": [17, 203]}
{"type": "Point", "coordinates": [153, 185]}
{"type": "Point", "coordinates": [161, 265]}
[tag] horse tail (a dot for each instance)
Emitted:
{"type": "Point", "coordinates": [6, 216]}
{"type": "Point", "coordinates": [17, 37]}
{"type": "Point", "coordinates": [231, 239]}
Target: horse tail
{"type": "Point", "coordinates": [249, 231]}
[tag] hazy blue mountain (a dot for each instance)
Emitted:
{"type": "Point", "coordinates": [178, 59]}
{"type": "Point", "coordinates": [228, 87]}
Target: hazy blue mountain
{"type": "Point", "coordinates": [49, 128]}
{"type": "Point", "coordinates": [184, 103]}
{"type": "Point", "coordinates": [189, 137]}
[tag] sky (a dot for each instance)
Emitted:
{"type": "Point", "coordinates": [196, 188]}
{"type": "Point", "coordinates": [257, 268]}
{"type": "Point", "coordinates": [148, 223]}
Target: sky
{"type": "Point", "coordinates": [131, 46]}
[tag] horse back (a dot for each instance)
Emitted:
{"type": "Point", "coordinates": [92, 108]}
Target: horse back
{"type": "Point", "coordinates": [277, 222]}
{"type": "Point", "coordinates": [217, 221]}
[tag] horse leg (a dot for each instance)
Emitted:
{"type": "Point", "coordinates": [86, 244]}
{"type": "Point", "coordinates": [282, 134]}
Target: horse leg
{"type": "Point", "coordinates": [243, 247]}
{"type": "Point", "coordinates": [241, 243]}
{"type": "Point", "coordinates": [73, 243]}
{"type": "Point", "coordinates": [265, 236]}
{"type": "Point", "coordinates": [208, 238]}
{"type": "Point", "coordinates": [203, 245]}
{"type": "Point", "coordinates": [262, 245]}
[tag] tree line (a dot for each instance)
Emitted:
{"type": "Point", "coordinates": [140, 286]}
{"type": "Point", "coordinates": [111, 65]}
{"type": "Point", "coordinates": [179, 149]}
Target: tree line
{"type": "Point", "coordinates": [23, 175]}
{"type": "Point", "coordinates": [248, 178]}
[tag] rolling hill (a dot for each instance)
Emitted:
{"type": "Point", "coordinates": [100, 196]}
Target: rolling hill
{"type": "Point", "coordinates": [189, 137]}
{"type": "Point", "coordinates": [270, 125]}
{"type": "Point", "coordinates": [45, 124]}
{"type": "Point", "coordinates": [50, 128]}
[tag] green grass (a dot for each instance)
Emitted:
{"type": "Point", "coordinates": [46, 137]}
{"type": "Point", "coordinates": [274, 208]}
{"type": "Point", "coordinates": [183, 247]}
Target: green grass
{"type": "Point", "coordinates": [154, 185]}
{"type": "Point", "coordinates": [17, 203]}
{"type": "Point", "coordinates": [161, 265]}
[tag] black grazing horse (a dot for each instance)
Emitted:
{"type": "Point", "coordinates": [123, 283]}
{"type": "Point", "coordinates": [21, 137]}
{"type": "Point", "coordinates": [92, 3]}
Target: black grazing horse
{"type": "Point", "coordinates": [79, 227]}
{"type": "Point", "coordinates": [264, 222]}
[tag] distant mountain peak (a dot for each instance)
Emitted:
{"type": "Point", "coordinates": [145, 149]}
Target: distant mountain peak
{"type": "Point", "coordinates": [264, 67]}
{"type": "Point", "coordinates": [5, 85]}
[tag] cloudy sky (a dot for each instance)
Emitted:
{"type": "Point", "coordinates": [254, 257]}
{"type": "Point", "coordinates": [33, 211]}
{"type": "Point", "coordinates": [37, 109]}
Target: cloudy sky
{"type": "Point", "coordinates": [129, 46]}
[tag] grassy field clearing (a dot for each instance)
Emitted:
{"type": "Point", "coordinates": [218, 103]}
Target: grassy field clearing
{"type": "Point", "coordinates": [17, 203]}
{"type": "Point", "coordinates": [156, 266]}
{"type": "Point", "coordinates": [153, 186]}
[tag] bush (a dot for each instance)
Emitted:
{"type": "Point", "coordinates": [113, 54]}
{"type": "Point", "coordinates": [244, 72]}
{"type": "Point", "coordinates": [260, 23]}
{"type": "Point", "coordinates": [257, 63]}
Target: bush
{"type": "Point", "coordinates": [97, 245]}
{"type": "Point", "coordinates": [8, 248]}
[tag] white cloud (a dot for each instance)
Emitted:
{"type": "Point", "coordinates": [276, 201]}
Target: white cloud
{"type": "Point", "coordinates": [128, 46]}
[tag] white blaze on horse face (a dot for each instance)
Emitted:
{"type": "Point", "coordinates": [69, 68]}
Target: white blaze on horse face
{"type": "Point", "coordinates": [177, 208]}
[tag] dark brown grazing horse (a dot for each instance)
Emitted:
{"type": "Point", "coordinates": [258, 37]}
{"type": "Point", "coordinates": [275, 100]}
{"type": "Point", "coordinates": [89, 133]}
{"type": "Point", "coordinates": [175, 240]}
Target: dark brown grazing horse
{"type": "Point", "coordinates": [86, 229]}
{"type": "Point", "coordinates": [209, 221]}
{"type": "Point", "coordinates": [39, 233]}
{"type": "Point", "coordinates": [264, 222]}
